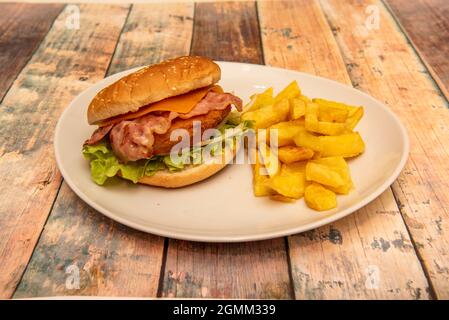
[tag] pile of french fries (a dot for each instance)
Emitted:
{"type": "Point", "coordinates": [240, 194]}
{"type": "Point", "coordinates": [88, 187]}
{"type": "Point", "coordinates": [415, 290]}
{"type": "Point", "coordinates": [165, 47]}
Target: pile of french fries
{"type": "Point", "coordinates": [314, 139]}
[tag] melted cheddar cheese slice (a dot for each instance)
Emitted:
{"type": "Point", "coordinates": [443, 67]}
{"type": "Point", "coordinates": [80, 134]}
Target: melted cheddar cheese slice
{"type": "Point", "coordinates": [183, 103]}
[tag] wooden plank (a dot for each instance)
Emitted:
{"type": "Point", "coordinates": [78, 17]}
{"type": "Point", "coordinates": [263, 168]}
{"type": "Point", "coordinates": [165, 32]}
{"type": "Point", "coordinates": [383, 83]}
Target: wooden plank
{"type": "Point", "coordinates": [227, 32]}
{"type": "Point", "coordinates": [30, 180]}
{"type": "Point", "coordinates": [241, 270]}
{"type": "Point", "coordinates": [22, 28]}
{"type": "Point", "coordinates": [112, 260]}
{"type": "Point", "coordinates": [366, 254]}
{"type": "Point", "coordinates": [153, 33]}
{"type": "Point", "coordinates": [384, 65]}
{"type": "Point", "coordinates": [253, 270]}
{"type": "Point", "coordinates": [426, 23]}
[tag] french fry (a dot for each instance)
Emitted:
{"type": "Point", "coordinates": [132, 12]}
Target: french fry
{"type": "Point", "coordinates": [355, 113]}
{"type": "Point", "coordinates": [290, 154]}
{"type": "Point", "coordinates": [259, 100]}
{"type": "Point", "coordinates": [290, 186]}
{"type": "Point", "coordinates": [297, 108]}
{"type": "Point", "coordinates": [314, 124]}
{"type": "Point", "coordinates": [346, 145]}
{"type": "Point", "coordinates": [307, 140]}
{"type": "Point", "coordinates": [290, 91]}
{"type": "Point", "coordinates": [266, 116]}
{"type": "Point", "coordinates": [331, 128]}
{"type": "Point", "coordinates": [304, 98]}
{"type": "Point", "coordinates": [319, 198]}
{"type": "Point", "coordinates": [314, 138]}
{"type": "Point", "coordinates": [330, 113]}
{"type": "Point", "coordinates": [333, 104]}
{"type": "Point", "coordinates": [294, 168]}
{"type": "Point", "coordinates": [333, 162]}
{"type": "Point", "coordinates": [259, 187]}
{"type": "Point", "coordinates": [311, 117]}
{"type": "Point", "coordinates": [323, 174]}
{"type": "Point", "coordinates": [290, 182]}
{"type": "Point", "coordinates": [354, 118]}
{"type": "Point", "coordinates": [281, 198]}
{"type": "Point", "coordinates": [340, 166]}
{"type": "Point", "coordinates": [287, 130]}
{"type": "Point", "coordinates": [269, 158]}
{"type": "Point", "coordinates": [316, 155]}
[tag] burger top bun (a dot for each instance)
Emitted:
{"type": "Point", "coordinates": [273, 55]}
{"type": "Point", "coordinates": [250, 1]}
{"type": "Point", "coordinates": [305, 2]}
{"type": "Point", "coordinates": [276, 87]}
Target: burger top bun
{"type": "Point", "coordinates": [152, 84]}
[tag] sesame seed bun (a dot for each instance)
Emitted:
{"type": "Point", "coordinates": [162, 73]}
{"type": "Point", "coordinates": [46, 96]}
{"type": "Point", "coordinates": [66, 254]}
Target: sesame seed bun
{"type": "Point", "coordinates": [152, 84]}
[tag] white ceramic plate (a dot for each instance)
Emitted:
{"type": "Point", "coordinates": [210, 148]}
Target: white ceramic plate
{"type": "Point", "coordinates": [223, 207]}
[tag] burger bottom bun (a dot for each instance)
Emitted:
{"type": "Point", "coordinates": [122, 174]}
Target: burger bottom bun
{"type": "Point", "coordinates": [188, 176]}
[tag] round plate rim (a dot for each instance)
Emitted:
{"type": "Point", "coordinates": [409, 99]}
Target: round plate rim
{"type": "Point", "coordinates": [253, 237]}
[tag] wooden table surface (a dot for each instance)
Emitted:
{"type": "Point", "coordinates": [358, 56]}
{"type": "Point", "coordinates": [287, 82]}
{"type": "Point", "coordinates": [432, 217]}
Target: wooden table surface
{"type": "Point", "coordinates": [397, 247]}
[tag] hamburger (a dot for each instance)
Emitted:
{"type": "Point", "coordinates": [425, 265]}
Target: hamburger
{"type": "Point", "coordinates": [138, 115]}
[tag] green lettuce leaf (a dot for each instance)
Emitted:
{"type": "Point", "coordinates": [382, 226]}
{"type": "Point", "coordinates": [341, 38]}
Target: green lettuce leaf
{"type": "Point", "coordinates": [174, 166]}
{"type": "Point", "coordinates": [98, 150]}
{"type": "Point", "coordinates": [153, 165]}
{"type": "Point", "coordinates": [104, 164]}
{"type": "Point", "coordinates": [248, 124]}
{"type": "Point", "coordinates": [133, 170]}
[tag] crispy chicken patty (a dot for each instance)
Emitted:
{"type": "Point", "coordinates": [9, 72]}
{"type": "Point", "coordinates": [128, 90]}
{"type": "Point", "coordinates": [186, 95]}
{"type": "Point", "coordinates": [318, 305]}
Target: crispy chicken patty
{"type": "Point", "coordinates": [162, 143]}
{"type": "Point", "coordinates": [149, 135]}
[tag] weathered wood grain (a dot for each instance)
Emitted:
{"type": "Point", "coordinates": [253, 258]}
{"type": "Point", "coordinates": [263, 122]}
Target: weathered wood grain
{"type": "Point", "coordinates": [253, 270]}
{"type": "Point", "coordinates": [383, 64]}
{"type": "Point", "coordinates": [30, 180]}
{"type": "Point", "coordinates": [368, 254]}
{"type": "Point", "coordinates": [235, 32]}
{"type": "Point", "coordinates": [22, 28]}
{"type": "Point", "coordinates": [153, 33]}
{"type": "Point", "coordinates": [113, 260]}
{"type": "Point", "coordinates": [426, 22]}
{"type": "Point", "coordinates": [246, 270]}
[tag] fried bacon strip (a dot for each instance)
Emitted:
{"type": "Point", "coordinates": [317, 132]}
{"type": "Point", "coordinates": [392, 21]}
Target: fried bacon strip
{"type": "Point", "coordinates": [132, 140]}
